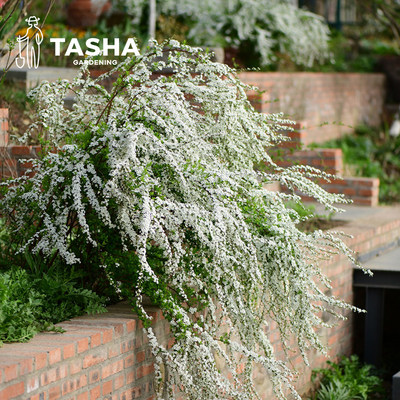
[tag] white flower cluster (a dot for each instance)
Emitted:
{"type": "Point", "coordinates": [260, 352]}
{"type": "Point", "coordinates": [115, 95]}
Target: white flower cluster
{"type": "Point", "coordinates": [166, 163]}
{"type": "Point", "coordinates": [271, 25]}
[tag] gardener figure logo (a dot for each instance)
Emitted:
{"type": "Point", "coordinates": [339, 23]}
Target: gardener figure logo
{"type": "Point", "coordinates": [31, 42]}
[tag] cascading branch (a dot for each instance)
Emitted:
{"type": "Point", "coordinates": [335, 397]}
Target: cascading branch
{"type": "Point", "coordinates": [153, 187]}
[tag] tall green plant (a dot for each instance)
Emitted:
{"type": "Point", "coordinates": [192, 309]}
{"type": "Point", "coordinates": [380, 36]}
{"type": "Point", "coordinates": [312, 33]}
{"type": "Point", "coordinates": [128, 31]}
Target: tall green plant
{"type": "Point", "coordinates": [30, 303]}
{"type": "Point", "coordinates": [153, 186]}
{"type": "Point", "coordinates": [348, 379]}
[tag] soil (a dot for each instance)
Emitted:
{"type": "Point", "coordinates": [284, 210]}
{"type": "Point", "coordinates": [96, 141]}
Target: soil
{"type": "Point", "coordinates": [324, 224]}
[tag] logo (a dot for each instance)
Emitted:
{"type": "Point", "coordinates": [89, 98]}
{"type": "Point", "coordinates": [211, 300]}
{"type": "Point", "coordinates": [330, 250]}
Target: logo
{"type": "Point", "coordinates": [31, 43]}
{"type": "Point", "coordinates": [94, 47]}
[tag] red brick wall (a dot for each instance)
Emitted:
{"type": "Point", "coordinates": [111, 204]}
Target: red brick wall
{"type": "Point", "coordinates": [13, 160]}
{"type": "Point", "coordinates": [362, 191]}
{"type": "Point", "coordinates": [327, 160]}
{"type": "Point", "coordinates": [102, 357]}
{"type": "Point", "coordinates": [342, 100]}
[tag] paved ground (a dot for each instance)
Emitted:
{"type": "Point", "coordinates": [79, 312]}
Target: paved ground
{"type": "Point", "coordinates": [369, 215]}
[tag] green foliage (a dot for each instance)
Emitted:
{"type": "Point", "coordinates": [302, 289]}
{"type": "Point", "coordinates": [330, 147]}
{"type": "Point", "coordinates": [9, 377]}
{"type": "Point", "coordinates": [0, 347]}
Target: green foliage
{"type": "Point", "coordinates": [334, 390]}
{"type": "Point", "coordinates": [13, 95]}
{"type": "Point", "coordinates": [308, 220]}
{"type": "Point", "coordinates": [32, 302]}
{"type": "Point", "coordinates": [302, 210]}
{"type": "Point", "coordinates": [33, 297]}
{"type": "Point", "coordinates": [354, 54]}
{"type": "Point", "coordinates": [373, 153]}
{"type": "Point", "coordinates": [347, 380]}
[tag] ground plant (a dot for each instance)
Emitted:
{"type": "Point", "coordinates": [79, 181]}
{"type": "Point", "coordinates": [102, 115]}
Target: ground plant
{"type": "Point", "coordinates": [348, 379]}
{"type": "Point", "coordinates": [150, 191]}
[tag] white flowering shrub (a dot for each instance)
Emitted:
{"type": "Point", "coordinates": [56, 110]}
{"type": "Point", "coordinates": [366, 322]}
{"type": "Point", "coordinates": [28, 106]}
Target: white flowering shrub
{"type": "Point", "coordinates": [268, 26]}
{"type": "Point", "coordinates": [153, 186]}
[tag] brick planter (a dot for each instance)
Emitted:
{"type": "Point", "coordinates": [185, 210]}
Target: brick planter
{"type": "Point", "coordinates": [362, 191]}
{"type": "Point", "coordinates": [331, 104]}
{"type": "Point", "coordinates": [98, 357]}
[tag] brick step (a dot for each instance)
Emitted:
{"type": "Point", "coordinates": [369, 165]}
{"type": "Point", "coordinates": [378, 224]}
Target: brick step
{"type": "Point", "coordinates": [30, 78]}
{"type": "Point", "coordinates": [362, 191]}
